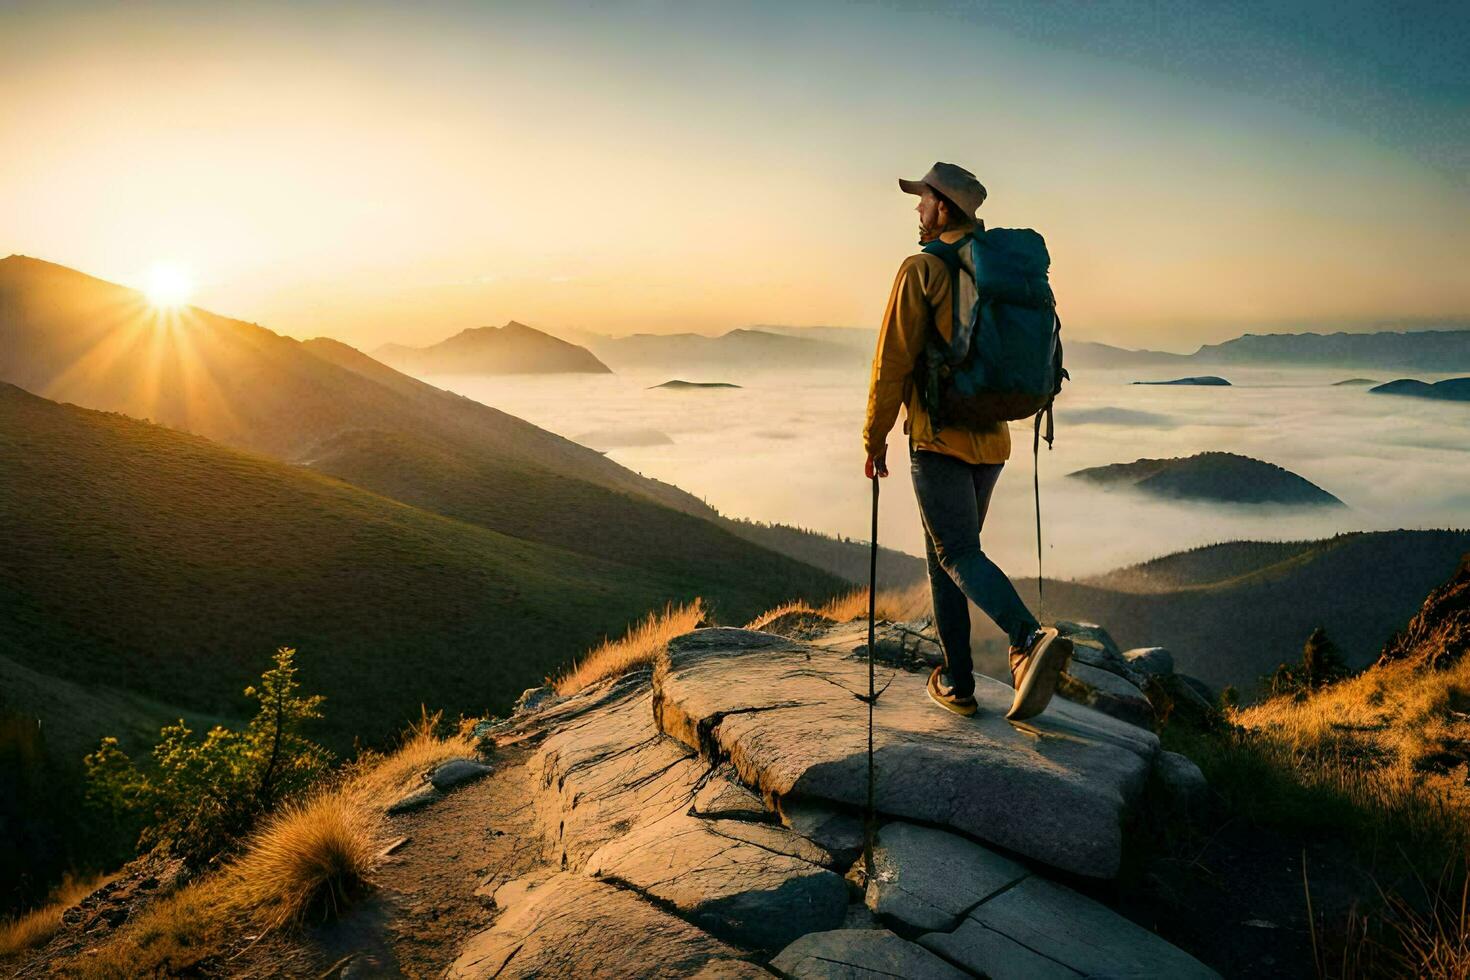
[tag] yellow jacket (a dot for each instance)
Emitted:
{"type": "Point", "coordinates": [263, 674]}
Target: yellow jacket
{"type": "Point", "coordinates": [920, 297]}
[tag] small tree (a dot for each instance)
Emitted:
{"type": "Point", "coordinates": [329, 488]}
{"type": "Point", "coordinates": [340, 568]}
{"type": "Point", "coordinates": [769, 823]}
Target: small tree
{"type": "Point", "coordinates": [1321, 659]}
{"type": "Point", "coordinates": [1321, 664]}
{"type": "Point", "coordinates": [200, 796]}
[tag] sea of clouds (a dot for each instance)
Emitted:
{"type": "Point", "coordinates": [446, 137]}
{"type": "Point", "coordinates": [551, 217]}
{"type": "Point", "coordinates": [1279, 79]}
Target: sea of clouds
{"type": "Point", "coordinates": [786, 446]}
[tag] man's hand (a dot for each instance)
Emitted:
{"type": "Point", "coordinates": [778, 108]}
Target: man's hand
{"type": "Point", "coordinates": [877, 465]}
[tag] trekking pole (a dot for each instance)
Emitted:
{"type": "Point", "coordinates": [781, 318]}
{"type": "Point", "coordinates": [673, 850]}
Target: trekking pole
{"type": "Point", "coordinates": [869, 824]}
{"type": "Point", "coordinates": [1036, 487]}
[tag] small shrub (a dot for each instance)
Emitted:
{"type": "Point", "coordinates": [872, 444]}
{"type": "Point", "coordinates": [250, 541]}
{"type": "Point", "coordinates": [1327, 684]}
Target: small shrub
{"type": "Point", "coordinates": [201, 795]}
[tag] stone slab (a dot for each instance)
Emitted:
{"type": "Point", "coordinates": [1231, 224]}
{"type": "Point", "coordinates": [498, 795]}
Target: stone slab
{"type": "Point", "coordinates": [1152, 661]}
{"type": "Point", "coordinates": [860, 954]}
{"type": "Point", "coordinates": [929, 879]}
{"type": "Point", "coordinates": [1067, 929]}
{"type": "Point", "coordinates": [745, 883]}
{"type": "Point", "coordinates": [1055, 788]}
{"type": "Point", "coordinates": [456, 772]}
{"type": "Point", "coordinates": [569, 925]}
{"type": "Point", "coordinates": [1107, 692]}
{"type": "Point", "coordinates": [991, 954]}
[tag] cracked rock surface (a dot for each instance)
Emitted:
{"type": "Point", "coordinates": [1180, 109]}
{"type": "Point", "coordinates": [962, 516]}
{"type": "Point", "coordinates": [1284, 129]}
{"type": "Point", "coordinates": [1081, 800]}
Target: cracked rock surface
{"type": "Point", "coordinates": [569, 925]}
{"type": "Point", "coordinates": [1041, 929]}
{"type": "Point", "coordinates": [850, 954]}
{"type": "Point", "coordinates": [929, 878]}
{"type": "Point", "coordinates": [787, 715]}
{"type": "Point", "coordinates": [752, 884]}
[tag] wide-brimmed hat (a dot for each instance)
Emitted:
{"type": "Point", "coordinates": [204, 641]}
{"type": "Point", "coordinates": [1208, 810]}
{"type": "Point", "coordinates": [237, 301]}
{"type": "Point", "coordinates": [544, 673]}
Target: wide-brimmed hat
{"type": "Point", "coordinates": [954, 182]}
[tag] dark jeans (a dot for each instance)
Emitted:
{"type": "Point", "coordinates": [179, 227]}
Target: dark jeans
{"type": "Point", "coordinates": [953, 498]}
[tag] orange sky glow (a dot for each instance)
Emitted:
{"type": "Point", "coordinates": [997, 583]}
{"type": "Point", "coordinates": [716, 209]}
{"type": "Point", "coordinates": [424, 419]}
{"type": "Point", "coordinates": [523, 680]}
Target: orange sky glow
{"type": "Point", "coordinates": [381, 174]}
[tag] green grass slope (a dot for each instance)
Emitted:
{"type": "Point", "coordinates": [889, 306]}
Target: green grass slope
{"type": "Point", "coordinates": [70, 337]}
{"type": "Point", "coordinates": [152, 561]}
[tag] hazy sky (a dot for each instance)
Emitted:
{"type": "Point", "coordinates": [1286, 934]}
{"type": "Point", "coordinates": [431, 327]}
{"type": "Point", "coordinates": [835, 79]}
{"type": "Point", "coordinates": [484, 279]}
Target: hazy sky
{"type": "Point", "coordinates": [375, 172]}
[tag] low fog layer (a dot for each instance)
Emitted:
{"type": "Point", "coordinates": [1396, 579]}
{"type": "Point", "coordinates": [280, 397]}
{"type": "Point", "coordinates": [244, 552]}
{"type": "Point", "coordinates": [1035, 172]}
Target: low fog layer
{"type": "Point", "coordinates": [786, 446]}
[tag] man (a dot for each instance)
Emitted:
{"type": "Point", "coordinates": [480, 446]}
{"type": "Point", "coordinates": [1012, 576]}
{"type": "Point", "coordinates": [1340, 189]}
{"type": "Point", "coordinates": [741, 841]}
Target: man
{"type": "Point", "coordinates": [954, 470]}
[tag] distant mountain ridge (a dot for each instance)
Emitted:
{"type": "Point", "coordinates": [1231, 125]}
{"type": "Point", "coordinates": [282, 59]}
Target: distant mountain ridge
{"type": "Point", "coordinates": [1212, 477]}
{"type": "Point", "coordinates": [512, 349]}
{"type": "Point", "coordinates": [1419, 350]}
{"type": "Point", "coordinates": [741, 348]}
{"type": "Point", "coordinates": [1431, 350]}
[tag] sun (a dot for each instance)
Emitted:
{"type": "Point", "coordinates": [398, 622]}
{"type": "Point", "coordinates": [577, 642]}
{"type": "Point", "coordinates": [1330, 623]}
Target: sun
{"type": "Point", "coordinates": [169, 285]}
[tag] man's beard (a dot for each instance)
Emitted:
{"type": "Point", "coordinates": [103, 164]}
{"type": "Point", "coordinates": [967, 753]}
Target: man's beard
{"type": "Point", "coordinates": [927, 233]}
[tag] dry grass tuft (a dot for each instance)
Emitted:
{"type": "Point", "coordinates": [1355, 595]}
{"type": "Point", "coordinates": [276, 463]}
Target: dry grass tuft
{"type": "Point", "coordinates": [378, 780]}
{"type": "Point", "coordinates": [35, 928]}
{"type": "Point", "coordinates": [643, 644]}
{"type": "Point", "coordinates": [309, 861]}
{"type": "Point", "coordinates": [895, 605]}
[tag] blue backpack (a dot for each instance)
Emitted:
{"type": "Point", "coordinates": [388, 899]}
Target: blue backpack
{"type": "Point", "coordinates": [1004, 359]}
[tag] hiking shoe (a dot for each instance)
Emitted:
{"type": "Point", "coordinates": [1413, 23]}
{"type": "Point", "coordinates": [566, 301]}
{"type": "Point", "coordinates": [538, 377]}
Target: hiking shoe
{"type": "Point", "coordinates": [1035, 670]}
{"type": "Point", "coordinates": [941, 692]}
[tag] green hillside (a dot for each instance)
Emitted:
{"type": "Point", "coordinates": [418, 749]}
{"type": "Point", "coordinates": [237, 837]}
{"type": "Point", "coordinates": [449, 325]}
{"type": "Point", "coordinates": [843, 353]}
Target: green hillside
{"type": "Point", "coordinates": [1215, 477]}
{"type": "Point", "coordinates": [1232, 612]}
{"type": "Point", "coordinates": [70, 337]}
{"type": "Point", "coordinates": [151, 561]}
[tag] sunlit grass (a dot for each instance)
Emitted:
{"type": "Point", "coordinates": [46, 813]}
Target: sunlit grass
{"type": "Point", "coordinates": [642, 645]}
{"type": "Point", "coordinates": [894, 605]}
{"type": "Point", "coordinates": [1376, 764]}
{"type": "Point", "coordinates": [308, 862]}
{"type": "Point", "coordinates": [36, 927]}
{"type": "Point", "coordinates": [378, 780]}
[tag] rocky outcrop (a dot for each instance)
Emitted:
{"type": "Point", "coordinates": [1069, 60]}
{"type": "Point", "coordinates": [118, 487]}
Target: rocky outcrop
{"type": "Point", "coordinates": [1182, 780]}
{"type": "Point", "coordinates": [1150, 661]}
{"type": "Point", "coordinates": [1439, 634]}
{"type": "Point", "coordinates": [700, 822]}
{"type": "Point", "coordinates": [1139, 686]}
